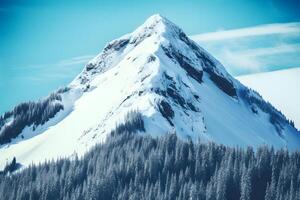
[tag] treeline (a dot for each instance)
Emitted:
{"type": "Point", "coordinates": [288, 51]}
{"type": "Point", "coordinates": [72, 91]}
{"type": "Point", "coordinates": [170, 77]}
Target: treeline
{"type": "Point", "coordinates": [26, 114]}
{"type": "Point", "coordinates": [130, 166]}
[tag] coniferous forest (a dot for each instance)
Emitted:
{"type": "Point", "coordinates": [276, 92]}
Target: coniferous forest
{"type": "Point", "coordinates": [131, 166]}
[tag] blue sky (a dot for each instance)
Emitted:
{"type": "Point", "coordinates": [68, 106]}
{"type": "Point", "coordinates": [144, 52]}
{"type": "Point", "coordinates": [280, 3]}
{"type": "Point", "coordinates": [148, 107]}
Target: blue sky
{"type": "Point", "coordinates": [45, 44]}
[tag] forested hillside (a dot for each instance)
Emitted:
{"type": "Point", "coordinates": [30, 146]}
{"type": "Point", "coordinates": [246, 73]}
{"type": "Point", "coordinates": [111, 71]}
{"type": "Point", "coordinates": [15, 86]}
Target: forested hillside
{"type": "Point", "coordinates": [130, 166]}
{"type": "Point", "coordinates": [29, 114]}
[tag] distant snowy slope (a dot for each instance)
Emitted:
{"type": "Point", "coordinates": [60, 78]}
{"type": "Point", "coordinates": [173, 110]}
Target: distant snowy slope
{"type": "Point", "coordinates": [281, 88]}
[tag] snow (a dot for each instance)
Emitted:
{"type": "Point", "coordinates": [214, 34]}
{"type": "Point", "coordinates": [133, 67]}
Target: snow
{"type": "Point", "coordinates": [126, 79]}
{"type": "Point", "coordinates": [281, 88]}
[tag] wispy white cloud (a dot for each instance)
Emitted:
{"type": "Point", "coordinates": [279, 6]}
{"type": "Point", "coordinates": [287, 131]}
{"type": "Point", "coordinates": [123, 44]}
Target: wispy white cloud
{"type": "Point", "coordinates": [268, 29]}
{"type": "Point", "coordinates": [284, 48]}
{"type": "Point", "coordinates": [63, 69]}
{"type": "Point", "coordinates": [255, 49]}
{"type": "Point", "coordinates": [252, 60]}
{"type": "Point", "coordinates": [76, 60]}
{"type": "Point", "coordinates": [61, 63]}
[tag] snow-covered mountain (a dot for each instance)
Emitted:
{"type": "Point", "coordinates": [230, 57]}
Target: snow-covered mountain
{"type": "Point", "coordinates": [155, 75]}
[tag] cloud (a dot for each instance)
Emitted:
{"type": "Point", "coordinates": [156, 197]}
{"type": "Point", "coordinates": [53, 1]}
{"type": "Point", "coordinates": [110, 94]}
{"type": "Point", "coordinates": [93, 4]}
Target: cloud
{"type": "Point", "coordinates": [255, 60]}
{"type": "Point", "coordinates": [61, 63]}
{"type": "Point", "coordinates": [76, 60]}
{"type": "Point", "coordinates": [255, 49]}
{"type": "Point", "coordinates": [285, 48]}
{"type": "Point", "coordinates": [269, 29]}
{"type": "Point", "coordinates": [63, 69]}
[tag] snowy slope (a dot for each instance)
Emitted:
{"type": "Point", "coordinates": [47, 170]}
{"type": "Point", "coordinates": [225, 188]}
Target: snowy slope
{"type": "Point", "coordinates": [281, 88]}
{"type": "Point", "coordinates": [176, 86]}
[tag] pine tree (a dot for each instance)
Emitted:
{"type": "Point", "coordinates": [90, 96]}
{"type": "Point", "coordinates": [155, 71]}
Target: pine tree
{"type": "Point", "coordinates": [245, 185]}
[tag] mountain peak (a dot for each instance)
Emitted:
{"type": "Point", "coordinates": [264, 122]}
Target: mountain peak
{"type": "Point", "coordinates": [157, 24]}
{"type": "Point", "coordinates": [150, 36]}
{"type": "Point", "coordinates": [155, 18]}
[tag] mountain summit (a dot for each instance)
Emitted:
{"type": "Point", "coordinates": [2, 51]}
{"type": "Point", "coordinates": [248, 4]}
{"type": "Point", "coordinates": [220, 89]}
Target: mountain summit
{"type": "Point", "coordinates": [153, 81]}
